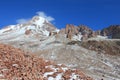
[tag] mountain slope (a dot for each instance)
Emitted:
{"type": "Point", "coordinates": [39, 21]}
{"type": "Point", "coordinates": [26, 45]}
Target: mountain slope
{"type": "Point", "coordinates": [69, 46]}
{"type": "Point", "coordinates": [18, 65]}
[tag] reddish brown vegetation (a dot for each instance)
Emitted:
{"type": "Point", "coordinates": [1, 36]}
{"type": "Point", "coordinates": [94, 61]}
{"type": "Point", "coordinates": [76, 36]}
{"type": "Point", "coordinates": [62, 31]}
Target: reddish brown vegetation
{"type": "Point", "coordinates": [18, 65]}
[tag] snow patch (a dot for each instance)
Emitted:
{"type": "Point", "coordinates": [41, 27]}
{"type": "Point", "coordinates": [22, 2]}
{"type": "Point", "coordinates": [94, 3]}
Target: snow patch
{"type": "Point", "coordinates": [51, 78]}
{"type": "Point", "coordinates": [64, 69]}
{"type": "Point", "coordinates": [77, 37]}
{"type": "Point", "coordinates": [59, 76]}
{"type": "Point", "coordinates": [45, 32]}
{"type": "Point", "coordinates": [74, 77]}
{"type": "Point", "coordinates": [102, 37]}
{"type": "Point", "coordinates": [98, 38]}
{"type": "Point", "coordinates": [1, 75]}
{"type": "Point", "coordinates": [48, 73]}
{"type": "Point", "coordinates": [39, 21]}
{"type": "Point", "coordinates": [15, 65]}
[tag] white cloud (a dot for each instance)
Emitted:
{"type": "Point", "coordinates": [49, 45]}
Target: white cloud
{"type": "Point", "coordinates": [22, 21]}
{"type": "Point", "coordinates": [42, 14]}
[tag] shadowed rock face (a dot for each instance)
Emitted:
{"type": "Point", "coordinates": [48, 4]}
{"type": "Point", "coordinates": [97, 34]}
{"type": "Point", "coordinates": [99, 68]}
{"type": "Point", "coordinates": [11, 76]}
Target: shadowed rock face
{"type": "Point", "coordinates": [112, 31]}
{"type": "Point", "coordinates": [18, 65]}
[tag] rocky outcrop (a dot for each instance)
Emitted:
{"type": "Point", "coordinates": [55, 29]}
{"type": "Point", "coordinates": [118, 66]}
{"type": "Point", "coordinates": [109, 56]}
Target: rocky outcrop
{"type": "Point", "coordinates": [112, 31]}
{"type": "Point", "coordinates": [86, 31]}
{"type": "Point", "coordinates": [27, 32]}
{"type": "Point", "coordinates": [62, 31]}
{"type": "Point", "coordinates": [71, 28]}
{"type": "Point", "coordinates": [18, 65]}
{"type": "Point", "coordinates": [72, 31]}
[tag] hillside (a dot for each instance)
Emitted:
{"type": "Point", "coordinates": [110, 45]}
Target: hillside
{"type": "Point", "coordinates": [95, 53]}
{"type": "Point", "coordinates": [15, 64]}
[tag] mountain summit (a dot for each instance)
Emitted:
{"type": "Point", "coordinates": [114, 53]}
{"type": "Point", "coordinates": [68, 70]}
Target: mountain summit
{"type": "Point", "coordinates": [37, 26]}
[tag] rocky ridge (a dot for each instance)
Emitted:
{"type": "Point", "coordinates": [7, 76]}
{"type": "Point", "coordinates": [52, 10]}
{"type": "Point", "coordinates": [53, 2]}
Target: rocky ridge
{"type": "Point", "coordinates": [83, 32]}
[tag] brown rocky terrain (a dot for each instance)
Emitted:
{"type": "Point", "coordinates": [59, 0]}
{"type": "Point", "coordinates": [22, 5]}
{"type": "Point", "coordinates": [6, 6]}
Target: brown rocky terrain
{"type": "Point", "coordinates": [16, 64]}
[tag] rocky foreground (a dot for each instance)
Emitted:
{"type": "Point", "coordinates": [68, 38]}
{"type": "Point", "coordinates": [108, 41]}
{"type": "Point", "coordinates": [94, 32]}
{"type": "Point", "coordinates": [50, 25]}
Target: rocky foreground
{"type": "Point", "coordinates": [15, 64]}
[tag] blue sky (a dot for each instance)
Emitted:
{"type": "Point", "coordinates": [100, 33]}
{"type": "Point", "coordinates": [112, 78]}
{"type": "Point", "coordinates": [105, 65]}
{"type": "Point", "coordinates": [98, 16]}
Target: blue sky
{"type": "Point", "coordinates": [96, 14]}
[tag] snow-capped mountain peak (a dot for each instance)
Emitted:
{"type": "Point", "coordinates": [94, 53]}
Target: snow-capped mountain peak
{"type": "Point", "coordinates": [37, 26]}
{"type": "Point", "coordinates": [38, 20]}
